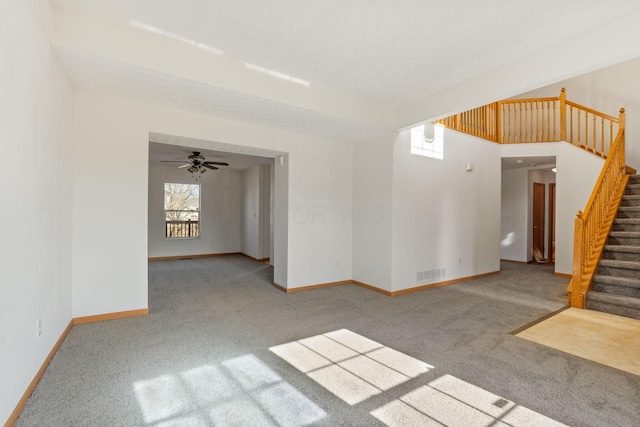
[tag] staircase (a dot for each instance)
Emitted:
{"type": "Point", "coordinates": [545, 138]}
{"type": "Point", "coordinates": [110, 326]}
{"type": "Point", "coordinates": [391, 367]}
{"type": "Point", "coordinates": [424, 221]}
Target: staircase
{"type": "Point", "coordinates": [616, 287]}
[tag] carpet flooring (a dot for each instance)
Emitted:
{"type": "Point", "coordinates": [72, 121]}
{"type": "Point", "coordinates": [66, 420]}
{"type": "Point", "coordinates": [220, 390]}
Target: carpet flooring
{"type": "Point", "coordinates": [221, 346]}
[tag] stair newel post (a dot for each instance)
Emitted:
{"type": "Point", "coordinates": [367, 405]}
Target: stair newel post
{"type": "Point", "coordinates": [622, 119]}
{"type": "Point", "coordinates": [576, 299]}
{"type": "Point", "coordinates": [563, 115]}
{"type": "Point", "coordinates": [499, 122]}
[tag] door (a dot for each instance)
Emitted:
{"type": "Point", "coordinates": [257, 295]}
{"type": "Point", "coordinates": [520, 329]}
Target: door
{"type": "Point", "coordinates": [538, 221]}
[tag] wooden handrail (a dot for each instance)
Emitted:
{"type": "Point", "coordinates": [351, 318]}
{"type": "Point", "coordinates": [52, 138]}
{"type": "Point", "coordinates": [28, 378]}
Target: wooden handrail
{"type": "Point", "coordinates": [592, 227]}
{"type": "Point", "coordinates": [548, 119]}
{"type": "Point", "coordinates": [515, 101]}
{"type": "Point", "coordinates": [592, 111]}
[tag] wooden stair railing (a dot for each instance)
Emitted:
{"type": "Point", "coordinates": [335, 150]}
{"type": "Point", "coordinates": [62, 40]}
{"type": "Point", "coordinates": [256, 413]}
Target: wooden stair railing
{"type": "Point", "coordinates": [550, 119]}
{"type": "Point", "coordinates": [593, 226]}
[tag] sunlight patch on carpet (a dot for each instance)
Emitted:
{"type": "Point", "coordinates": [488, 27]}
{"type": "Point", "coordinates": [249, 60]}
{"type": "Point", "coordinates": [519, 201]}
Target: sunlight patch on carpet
{"type": "Point", "coordinates": [450, 401]}
{"type": "Point", "coordinates": [350, 366]}
{"type": "Point", "coordinates": [239, 391]}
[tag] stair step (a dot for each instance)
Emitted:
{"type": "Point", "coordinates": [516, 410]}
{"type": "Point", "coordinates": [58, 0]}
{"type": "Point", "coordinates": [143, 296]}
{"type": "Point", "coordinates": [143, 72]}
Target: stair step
{"type": "Point", "coordinates": [614, 304]}
{"type": "Point", "coordinates": [625, 286]}
{"type": "Point", "coordinates": [629, 212]}
{"type": "Point", "coordinates": [612, 267]}
{"type": "Point", "coordinates": [621, 252]}
{"type": "Point", "coordinates": [632, 189]}
{"type": "Point", "coordinates": [630, 200]}
{"type": "Point", "coordinates": [627, 238]}
{"type": "Point", "coordinates": [626, 224]}
{"type": "Point", "coordinates": [634, 179]}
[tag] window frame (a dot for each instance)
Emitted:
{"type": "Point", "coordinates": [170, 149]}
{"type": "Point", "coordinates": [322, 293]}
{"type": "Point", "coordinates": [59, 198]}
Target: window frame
{"type": "Point", "coordinates": [188, 212]}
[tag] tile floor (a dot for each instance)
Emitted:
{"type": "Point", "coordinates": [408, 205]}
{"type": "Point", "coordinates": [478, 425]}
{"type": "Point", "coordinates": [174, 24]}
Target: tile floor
{"type": "Point", "coordinates": [604, 338]}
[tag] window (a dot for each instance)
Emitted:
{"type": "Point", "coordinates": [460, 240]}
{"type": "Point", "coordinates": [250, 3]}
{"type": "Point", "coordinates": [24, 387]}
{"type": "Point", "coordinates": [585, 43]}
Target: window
{"type": "Point", "coordinates": [182, 210]}
{"type": "Point", "coordinates": [427, 140]}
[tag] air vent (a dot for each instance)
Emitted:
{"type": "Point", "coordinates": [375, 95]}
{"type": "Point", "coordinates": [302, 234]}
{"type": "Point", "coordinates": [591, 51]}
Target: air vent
{"type": "Point", "coordinates": [430, 275]}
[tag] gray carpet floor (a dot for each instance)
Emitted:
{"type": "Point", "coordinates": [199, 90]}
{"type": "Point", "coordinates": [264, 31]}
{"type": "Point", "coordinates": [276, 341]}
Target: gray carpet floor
{"type": "Point", "coordinates": [209, 314]}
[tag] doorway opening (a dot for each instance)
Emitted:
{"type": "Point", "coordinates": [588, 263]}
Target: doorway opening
{"type": "Point", "coordinates": [241, 192]}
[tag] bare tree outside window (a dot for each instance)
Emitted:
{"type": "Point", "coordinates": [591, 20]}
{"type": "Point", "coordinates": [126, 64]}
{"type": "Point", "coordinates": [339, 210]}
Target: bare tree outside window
{"type": "Point", "coordinates": [182, 210]}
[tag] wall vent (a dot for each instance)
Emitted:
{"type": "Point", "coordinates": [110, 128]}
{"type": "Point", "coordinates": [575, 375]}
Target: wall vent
{"type": "Point", "coordinates": [430, 275]}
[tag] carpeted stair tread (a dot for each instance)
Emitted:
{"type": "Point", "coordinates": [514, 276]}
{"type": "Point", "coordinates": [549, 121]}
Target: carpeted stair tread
{"type": "Point", "coordinates": [614, 299]}
{"type": "Point", "coordinates": [622, 248]}
{"type": "Point", "coordinates": [626, 221]}
{"type": "Point", "coordinates": [629, 265]}
{"type": "Point", "coordinates": [634, 234]}
{"type": "Point", "coordinates": [617, 281]}
{"type": "Point", "coordinates": [631, 197]}
{"type": "Point", "coordinates": [629, 208]}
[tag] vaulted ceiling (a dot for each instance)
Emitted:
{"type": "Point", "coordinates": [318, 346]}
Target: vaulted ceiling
{"type": "Point", "coordinates": [332, 69]}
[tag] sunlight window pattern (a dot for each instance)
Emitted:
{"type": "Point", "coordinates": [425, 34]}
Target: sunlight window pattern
{"type": "Point", "coordinates": [351, 366]}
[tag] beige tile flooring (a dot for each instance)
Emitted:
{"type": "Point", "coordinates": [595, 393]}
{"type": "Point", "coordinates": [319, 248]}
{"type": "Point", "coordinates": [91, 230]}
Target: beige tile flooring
{"type": "Point", "coordinates": [604, 338]}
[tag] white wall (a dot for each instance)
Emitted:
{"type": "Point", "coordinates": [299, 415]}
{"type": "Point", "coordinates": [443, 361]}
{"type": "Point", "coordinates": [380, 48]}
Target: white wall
{"type": "Point", "coordinates": [444, 216]}
{"type": "Point", "coordinates": [577, 173]}
{"type": "Point", "coordinates": [220, 207]}
{"type": "Point", "coordinates": [36, 130]}
{"type": "Point", "coordinates": [251, 187]}
{"type": "Point", "coordinates": [265, 211]}
{"type": "Point", "coordinates": [514, 215]}
{"type": "Point", "coordinates": [372, 183]}
{"type": "Point", "coordinates": [319, 185]}
{"type": "Point", "coordinates": [607, 90]}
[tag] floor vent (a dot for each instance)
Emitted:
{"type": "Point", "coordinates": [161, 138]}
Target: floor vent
{"type": "Point", "coordinates": [430, 275]}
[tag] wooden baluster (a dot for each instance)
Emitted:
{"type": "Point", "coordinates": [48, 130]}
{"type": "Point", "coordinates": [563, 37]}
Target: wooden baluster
{"type": "Point", "coordinates": [578, 110]}
{"type": "Point", "coordinates": [563, 115]}
{"type": "Point", "coordinates": [520, 123]}
{"type": "Point", "coordinates": [571, 124]}
{"type": "Point", "coordinates": [525, 126]}
{"type": "Point", "coordinates": [536, 123]}
{"type": "Point", "coordinates": [554, 120]}
{"type": "Point", "coordinates": [586, 130]}
{"type": "Point", "coordinates": [602, 134]}
{"type": "Point", "coordinates": [548, 121]}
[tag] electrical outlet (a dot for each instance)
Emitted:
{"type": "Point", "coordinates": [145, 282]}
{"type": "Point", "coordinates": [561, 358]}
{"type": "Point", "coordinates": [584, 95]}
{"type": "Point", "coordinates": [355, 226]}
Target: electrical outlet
{"type": "Point", "coordinates": [39, 327]}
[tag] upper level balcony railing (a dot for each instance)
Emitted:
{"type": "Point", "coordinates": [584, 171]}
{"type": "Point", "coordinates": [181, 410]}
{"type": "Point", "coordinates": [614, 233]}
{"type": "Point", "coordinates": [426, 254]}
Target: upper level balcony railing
{"type": "Point", "coordinates": [177, 229]}
{"type": "Point", "coordinates": [540, 120]}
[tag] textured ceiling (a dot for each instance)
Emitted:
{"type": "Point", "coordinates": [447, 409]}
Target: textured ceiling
{"type": "Point", "coordinates": [108, 77]}
{"type": "Point", "coordinates": [159, 152]}
{"type": "Point", "coordinates": [527, 162]}
{"type": "Point", "coordinates": [382, 52]}
{"type": "Point", "coordinates": [389, 52]}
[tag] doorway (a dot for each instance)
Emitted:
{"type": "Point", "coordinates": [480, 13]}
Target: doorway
{"type": "Point", "coordinates": [537, 234]}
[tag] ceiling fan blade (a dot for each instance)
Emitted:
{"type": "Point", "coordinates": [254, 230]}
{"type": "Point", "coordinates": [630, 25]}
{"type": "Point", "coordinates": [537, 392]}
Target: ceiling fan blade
{"type": "Point", "coordinates": [186, 165]}
{"type": "Point", "coordinates": [216, 163]}
{"type": "Point", "coordinates": [209, 166]}
{"type": "Point", "coordinates": [173, 161]}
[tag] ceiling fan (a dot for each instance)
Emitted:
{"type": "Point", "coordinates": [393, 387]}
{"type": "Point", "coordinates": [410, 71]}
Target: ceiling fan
{"type": "Point", "coordinates": [196, 163]}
